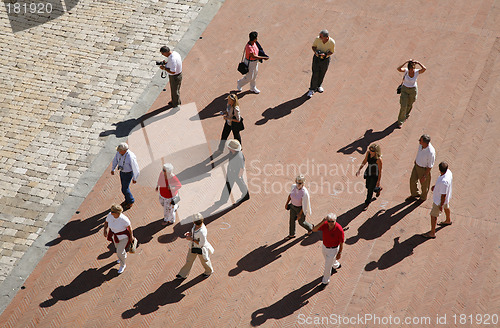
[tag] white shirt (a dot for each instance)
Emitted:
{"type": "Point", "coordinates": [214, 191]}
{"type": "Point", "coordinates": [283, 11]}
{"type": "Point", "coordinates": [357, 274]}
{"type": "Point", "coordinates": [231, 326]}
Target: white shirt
{"type": "Point", "coordinates": [426, 156]}
{"type": "Point", "coordinates": [174, 63]}
{"type": "Point", "coordinates": [118, 225]}
{"type": "Point", "coordinates": [410, 82]}
{"type": "Point", "coordinates": [128, 163]}
{"type": "Point", "coordinates": [296, 196]}
{"type": "Point", "coordinates": [443, 186]}
{"type": "Point", "coordinates": [201, 236]}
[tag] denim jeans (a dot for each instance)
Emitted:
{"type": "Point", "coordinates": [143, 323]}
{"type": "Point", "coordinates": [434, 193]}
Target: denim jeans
{"type": "Point", "coordinates": [125, 179]}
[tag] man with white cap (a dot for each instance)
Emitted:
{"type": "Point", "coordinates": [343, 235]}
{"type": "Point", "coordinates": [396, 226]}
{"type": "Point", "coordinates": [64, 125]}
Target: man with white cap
{"type": "Point", "coordinates": [129, 171]}
{"type": "Point", "coordinates": [235, 169]}
{"type": "Point", "coordinates": [333, 243]}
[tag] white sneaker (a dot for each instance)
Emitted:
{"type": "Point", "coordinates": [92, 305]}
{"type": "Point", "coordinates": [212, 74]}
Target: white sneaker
{"type": "Point", "coordinates": [310, 93]}
{"type": "Point", "coordinates": [255, 90]}
{"type": "Point", "coordinates": [118, 261]}
{"type": "Point", "coordinates": [238, 87]}
{"type": "Point", "coordinates": [320, 89]}
{"type": "Point", "coordinates": [122, 268]}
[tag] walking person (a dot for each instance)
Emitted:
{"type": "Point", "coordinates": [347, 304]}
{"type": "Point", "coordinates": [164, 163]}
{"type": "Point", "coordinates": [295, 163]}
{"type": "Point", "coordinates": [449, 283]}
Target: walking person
{"type": "Point", "coordinates": [173, 67]}
{"type": "Point", "coordinates": [323, 47]}
{"type": "Point", "coordinates": [126, 162]}
{"type": "Point", "coordinates": [426, 155]}
{"type": "Point", "coordinates": [408, 88]}
{"type": "Point", "coordinates": [235, 170]}
{"type": "Point", "coordinates": [299, 204]}
{"type": "Point", "coordinates": [169, 186]}
{"type": "Point", "coordinates": [252, 58]}
{"type": "Point", "coordinates": [333, 244]}
{"type": "Point", "coordinates": [120, 232]}
{"type": "Point", "coordinates": [373, 172]}
{"type": "Point", "coordinates": [199, 247]}
{"type": "Point", "coordinates": [441, 199]}
{"type": "Point", "coordinates": [232, 119]}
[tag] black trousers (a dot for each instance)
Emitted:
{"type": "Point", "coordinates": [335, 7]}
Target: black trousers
{"type": "Point", "coordinates": [319, 68]}
{"type": "Point", "coordinates": [225, 134]}
{"type": "Point", "coordinates": [371, 183]}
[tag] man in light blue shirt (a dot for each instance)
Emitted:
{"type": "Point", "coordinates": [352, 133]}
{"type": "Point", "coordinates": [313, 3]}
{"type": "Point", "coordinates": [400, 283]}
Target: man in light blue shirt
{"type": "Point", "coordinates": [129, 171]}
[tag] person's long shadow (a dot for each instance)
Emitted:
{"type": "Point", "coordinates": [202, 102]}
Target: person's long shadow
{"type": "Point", "coordinates": [398, 252]}
{"type": "Point", "coordinates": [84, 282]}
{"type": "Point", "coordinates": [288, 304]}
{"type": "Point", "coordinates": [382, 221]}
{"type": "Point", "coordinates": [262, 256]}
{"type": "Point", "coordinates": [109, 253]}
{"type": "Point", "coordinates": [282, 110]}
{"type": "Point", "coordinates": [123, 128]}
{"type": "Point", "coordinates": [77, 229]}
{"type": "Point", "coordinates": [201, 170]}
{"type": "Point", "coordinates": [361, 145]}
{"type": "Point", "coordinates": [168, 293]}
{"type": "Point", "coordinates": [213, 109]}
{"type": "Point", "coordinates": [145, 233]}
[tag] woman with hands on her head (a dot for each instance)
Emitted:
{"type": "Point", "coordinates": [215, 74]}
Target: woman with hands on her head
{"type": "Point", "coordinates": [408, 88]}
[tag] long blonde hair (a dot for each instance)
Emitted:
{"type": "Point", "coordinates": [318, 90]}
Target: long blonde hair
{"type": "Point", "coordinates": [376, 149]}
{"type": "Point", "coordinates": [234, 97]}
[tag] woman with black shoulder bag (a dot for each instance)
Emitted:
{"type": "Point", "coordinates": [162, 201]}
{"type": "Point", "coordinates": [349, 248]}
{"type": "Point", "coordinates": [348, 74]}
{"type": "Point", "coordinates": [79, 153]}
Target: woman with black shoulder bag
{"type": "Point", "coordinates": [233, 121]}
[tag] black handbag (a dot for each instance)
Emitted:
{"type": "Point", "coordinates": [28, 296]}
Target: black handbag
{"type": "Point", "coordinates": [398, 90]}
{"type": "Point", "coordinates": [242, 67]}
{"type": "Point", "coordinates": [239, 125]}
{"type": "Point", "coordinates": [196, 250]}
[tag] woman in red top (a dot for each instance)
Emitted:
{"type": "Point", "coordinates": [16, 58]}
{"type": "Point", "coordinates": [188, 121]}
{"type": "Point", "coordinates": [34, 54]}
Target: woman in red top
{"type": "Point", "coordinates": [169, 186]}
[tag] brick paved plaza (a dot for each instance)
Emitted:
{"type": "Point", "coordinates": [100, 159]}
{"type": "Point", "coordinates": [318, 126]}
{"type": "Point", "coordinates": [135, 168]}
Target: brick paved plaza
{"type": "Point", "coordinates": [77, 84]}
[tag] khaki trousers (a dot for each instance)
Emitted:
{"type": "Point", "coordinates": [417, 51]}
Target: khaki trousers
{"type": "Point", "coordinates": [407, 98]}
{"type": "Point", "coordinates": [189, 264]}
{"type": "Point", "coordinates": [120, 250]}
{"type": "Point", "coordinates": [417, 173]}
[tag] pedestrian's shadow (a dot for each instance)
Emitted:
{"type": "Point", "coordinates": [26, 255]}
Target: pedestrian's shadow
{"type": "Point", "coordinates": [168, 293]}
{"type": "Point", "coordinates": [145, 233]}
{"type": "Point", "coordinates": [201, 170]}
{"type": "Point", "coordinates": [84, 282]}
{"type": "Point", "coordinates": [262, 256]}
{"type": "Point", "coordinates": [123, 128]}
{"type": "Point", "coordinates": [111, 251]}
{"type": "Point", "coordinates": [361, 144]}
{"type": "Point", "coordinates": [382, 221]}
{"type": "Point", "coordinates": [282, 110]}
{"type": "Point", "coordinates": [288, 304]}
{"type": "Point", "coordinates": [398, 252]}
{"type": "Point", "coordinates": [215, 106]}
{"type": "Point", "coordinates": [77, 229]}
{"type": "Point", "coordinates": [178, 231]}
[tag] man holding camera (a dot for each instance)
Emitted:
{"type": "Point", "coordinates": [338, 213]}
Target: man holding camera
{"type": "Point", "coordinates": [173, 66]}
{"type": "Point", "coordinates": [129, 171]}
{"type": "Point", "coordinates": [323, 47]}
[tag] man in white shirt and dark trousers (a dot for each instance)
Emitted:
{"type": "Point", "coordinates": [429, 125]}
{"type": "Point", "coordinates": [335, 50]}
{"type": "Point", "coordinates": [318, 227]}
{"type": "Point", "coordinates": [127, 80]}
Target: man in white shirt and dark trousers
{"type": "Point", "coordinates": [426, 155]}
{"type": "Point", "coordinates": [173, 66]}
{"type": "Point", "coordinates": [441, 199]}
{"type": "Point", "coordinates": [126, 162]}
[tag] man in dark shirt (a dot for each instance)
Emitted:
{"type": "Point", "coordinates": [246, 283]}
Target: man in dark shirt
{"type": "Point", "coordinates": [333, 243]}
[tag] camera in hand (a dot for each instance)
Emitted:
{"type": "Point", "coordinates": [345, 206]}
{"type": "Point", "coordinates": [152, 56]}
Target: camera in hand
{"type": "Point", "coordinates": [162, 62]}
{"type": "Point", "coordinates": [120, 168]}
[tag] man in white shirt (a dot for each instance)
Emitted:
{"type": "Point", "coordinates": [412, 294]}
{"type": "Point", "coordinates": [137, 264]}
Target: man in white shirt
{"type": "Point", "coordinates": [129, 171]}
{"type": "Point", "coordinates": [441, 199]}
{"type": "Point", "coordinates": [173, 66]}
{"type": "Point", "coordinates": [426, 155]}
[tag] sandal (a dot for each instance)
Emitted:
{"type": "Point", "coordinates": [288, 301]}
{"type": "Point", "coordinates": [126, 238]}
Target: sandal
{"type": "Point", "coordinates": [289, 237]}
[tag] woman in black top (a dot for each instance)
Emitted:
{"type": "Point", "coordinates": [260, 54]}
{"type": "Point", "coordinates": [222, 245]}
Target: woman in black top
{"type": "Point", "coordinates": [231, 117]}
{"type": "Point", "coordinates": [373, 172]}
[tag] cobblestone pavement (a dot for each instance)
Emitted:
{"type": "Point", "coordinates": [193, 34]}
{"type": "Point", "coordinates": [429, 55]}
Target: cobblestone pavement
{"type": "Point", "coordinates": [63, 83]}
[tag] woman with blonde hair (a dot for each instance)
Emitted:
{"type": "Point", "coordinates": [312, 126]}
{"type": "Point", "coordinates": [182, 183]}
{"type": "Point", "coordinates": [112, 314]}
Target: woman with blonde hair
{"type": "Point", "coordinates": [299, 204]}
{"type": "Point", "coordinates": [232, 119]}
{"type": "Point", "coordinates": [119, 232]}
{"type": "Point", "coordinates": [373, 172]}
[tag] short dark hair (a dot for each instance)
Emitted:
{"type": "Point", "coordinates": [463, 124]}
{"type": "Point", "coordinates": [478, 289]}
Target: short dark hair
{"type": "Point", "coordinates": [426, 138]}
{"type": "Point", "coordinates": [164, 49]}
{"type": "Point", "coordinates": [443, 167]}
{"type": "Point", "coordinates": [253, 36]}
{"type": "Point", "coordinates": [411, 64]}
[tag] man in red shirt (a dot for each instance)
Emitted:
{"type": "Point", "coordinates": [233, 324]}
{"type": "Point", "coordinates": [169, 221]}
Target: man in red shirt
{"type": "Point", "coordinates": [333, 243]}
